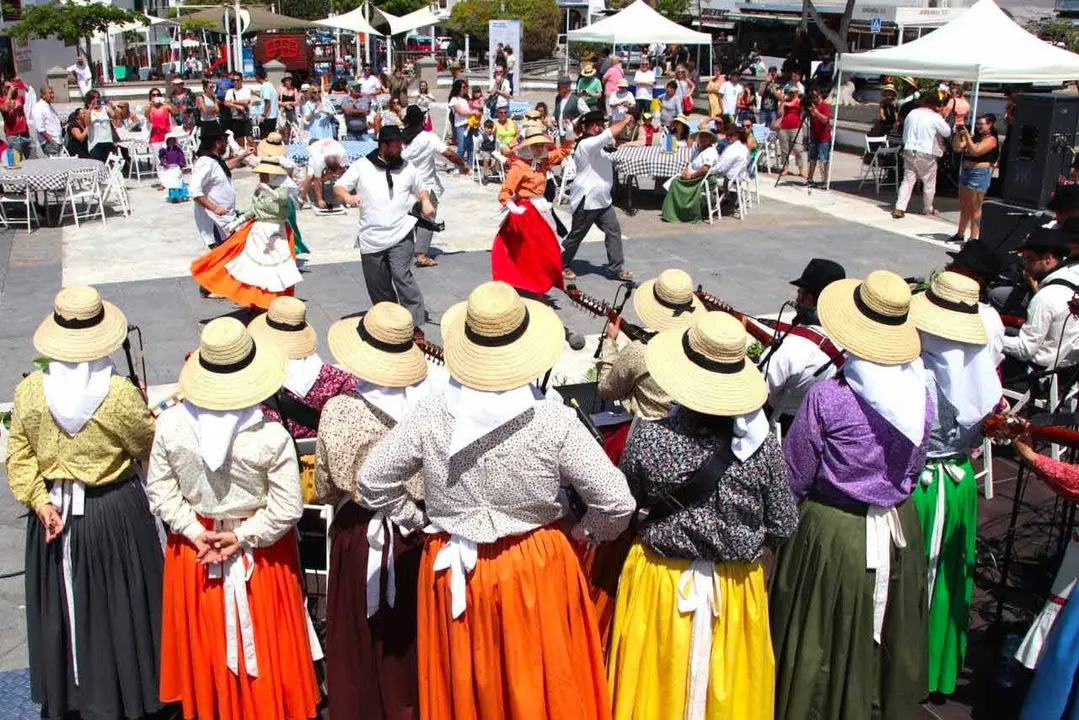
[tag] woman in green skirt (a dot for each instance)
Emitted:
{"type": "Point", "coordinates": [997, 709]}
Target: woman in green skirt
{"type": "Point", "coordinates": [683, 201]}
{"type": "Point", "coordinates": [963, 387]}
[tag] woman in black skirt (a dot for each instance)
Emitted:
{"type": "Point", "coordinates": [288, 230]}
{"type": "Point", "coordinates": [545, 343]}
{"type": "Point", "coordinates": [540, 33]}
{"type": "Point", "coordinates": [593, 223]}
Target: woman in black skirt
{"type": "Point", "coordinates": [94, 555]}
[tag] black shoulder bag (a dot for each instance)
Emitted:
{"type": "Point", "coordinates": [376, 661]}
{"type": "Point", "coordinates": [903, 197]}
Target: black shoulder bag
{"type": "Point", "coordinates": [701, 485]}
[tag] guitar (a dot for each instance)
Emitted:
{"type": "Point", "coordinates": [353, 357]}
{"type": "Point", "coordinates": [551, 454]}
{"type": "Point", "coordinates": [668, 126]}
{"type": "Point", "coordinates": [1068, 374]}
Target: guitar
{"type": "Point", "coordinates": [1012, 427]}
{"type": "Point", "coordinates": [434, 353]}
{"type": "Point", "coordinates": [603, 309]}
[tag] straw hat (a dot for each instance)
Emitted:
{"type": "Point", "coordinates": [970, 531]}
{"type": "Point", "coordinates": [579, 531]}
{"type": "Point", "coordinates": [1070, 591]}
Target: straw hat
{"type": "Point", "coordinates": [270, 166]}
{"type": "Point", "coordinates": [949, 309]}
{"type": "Point", "coordinates": [231, 370]}
{"type": "Point", "coordinates": [272, 146]}
{"type": "Point", "coordinates": [588, 70]}
{"type": "Point", "coordinates": [667, 301]}
{"type": "Point", "coordinates": [888, 87]}
{"type": "Point", "coordinates": [535, 135]}
{"type": "Point", "coordinates": [379, 346]}
{"type": "Point", "coordinates": [82, 327]}
{"type": "Point", "coordinates": [285, 324]}
{"type": "Point", "coordinates": [704, 368]}
{"type": "Point", "coordinates": [870, 318]}
{"type": "Point", "coordinates": [498, 341]}
{"type": "Point", "coordinates": [680, 118]}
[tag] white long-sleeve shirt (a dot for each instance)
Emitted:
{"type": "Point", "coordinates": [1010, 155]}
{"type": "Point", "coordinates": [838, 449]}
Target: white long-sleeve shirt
{"type": "Point", "coordinates": [732, 163]}
{"type": "Point", "coordinates": [791, 373]}
{"type": "Point", "coordinates": [595, 173]}
{"type": "Point", "coordinates": [1050, 336]}
{"type": "Point", "coordinates": [921, 131]}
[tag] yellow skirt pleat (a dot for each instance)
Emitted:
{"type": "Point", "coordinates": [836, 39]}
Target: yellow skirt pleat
{"type": "Point", "coordinates": [648, 664]}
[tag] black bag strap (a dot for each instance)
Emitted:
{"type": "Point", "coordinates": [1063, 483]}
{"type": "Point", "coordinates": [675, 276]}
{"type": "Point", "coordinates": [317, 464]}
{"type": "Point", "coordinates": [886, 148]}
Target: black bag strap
{"type": "Point", "coordinates": [702, 484]}
{"type": "Point", "coordinates": [292, 409]}
{"type": "Point", "coordinates": [1065, 283]}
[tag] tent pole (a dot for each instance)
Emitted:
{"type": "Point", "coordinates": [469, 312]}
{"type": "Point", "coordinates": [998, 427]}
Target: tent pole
{"type": "Point", "coordinates": [367, 37]}
{"type": "Point", "coordinates": [835, 117]}
{"type": "Point", "coordinates": [567, 42]}
{"type": "Point", "coordinates": [389, 54]}
{"type": "Point", "coordinates": [239, 42]}
{"type": "Point", "coordinates": [468, 50]}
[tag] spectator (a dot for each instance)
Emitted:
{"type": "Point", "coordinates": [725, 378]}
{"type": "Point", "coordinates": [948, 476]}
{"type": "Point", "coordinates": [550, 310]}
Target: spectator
{"type": "Point", "coordinates": [370, 85]}
{"type": "Point", "coordinates": [747, 124]}
{"type": "Point", "coordinates": [566, 108]}
{"type": "Point", "coordinates": [613, 76]}
{"type": "Point", "coordinates": [923, 132]}
{"type": "Point", "coordinates": [13, 109]}
{"type": "Point", "coordinates": [221, 88]}
{"type": "Point", "coordinates": [398, 87]}
{"type": "Point", "coordinates": [824, 74]}
{"type": "Point", "coordinates": [393, 115]}
{"type": "Point", "coordinates": [790, 120]}
{"type": "Point", "coordinates": [499, 94]}
{"type": "Point", "coordinates": [238, 102]}
{"type": "Point", "coordinates": [125, 118]}
{"type": "Point", "coordinates": [511, 65]}
{"type": "Point", "coordinates": [820, 133]}
{"type": "Point", "coordinates": [686, 88]}
{"type": "Point", "coordinates": [47, 123]}
{"type": "Point", "coordinates": [771, 94]}
{"type": "Point", "coordinates": [271, 106]}
{"type": "Point", "coordinates": [730, 91]}
{"type": "Point", "coordinates": [505, 130]}
{"type": "Point", "coordinates": [77, 132]}
{"type": "Point", "coordinates": [589, 88]}
{"type": "Point", "coordinates": [209, 112]}
{"type": "Point", "coordinates": [645, 81]}
{"type": "Point", "coordinates": [715, 100]}
{"type": "Point", "coordinates": [287, 102]}
{"type": "Point", "coordinates": [620, 101]}
{"type": "Point", "coordinates": [747, 102]}
{"type": "Point", "coordinates": [795, 83]}
{"type": "Point", "coordinates": [957, 108]}
{"type": "Point", "coordinates": [488, 148]}
{"type": "Point", "coordinates": [982, 150]}
{"type": "Point", "coordinates": [735, 157]}
{"type": "Point", "coordinates": [670, 105]}
{"type": "Point", "coordinates": [192, 66]}
{"type": "Point", "coordinates": [679, 127]}
{"type": "Point", "coordinates": [318, 114]}
{"type": "Point", "coordinates": [84, 76]}
{"type": "Point", "coordinates": [887, 112]}
{"type": "Point", "coordinates": [184, 101]}
{"type": "Point", "coordinates": [682, 203]}
{"type": "Point", "coordinates": [424, 101]}
{"type": "Point", "coordinates": [462, 112]}
{"type": "Point", "coordinates": [100, 140]}
{"type": "Point", "coordinates": [355, 108]}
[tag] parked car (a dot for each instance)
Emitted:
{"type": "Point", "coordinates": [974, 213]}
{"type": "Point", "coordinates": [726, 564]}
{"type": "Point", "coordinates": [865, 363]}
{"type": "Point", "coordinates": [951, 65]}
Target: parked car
{"type": "Point", "coordinates": [419, 43]}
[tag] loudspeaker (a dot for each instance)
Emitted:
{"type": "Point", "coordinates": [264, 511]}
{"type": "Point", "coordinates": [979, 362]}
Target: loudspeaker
{"type": "Point", "coordinates": [1005, 226]}
{"type": "Point", "coordinates": [1039, 148]}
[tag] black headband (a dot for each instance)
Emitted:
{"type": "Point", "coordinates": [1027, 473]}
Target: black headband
{"type": "Point", "coordinates": [873, 314]}
{"type": "Point", "coordinates": [497, 340]}
{"type": "Point", "coordinates": [952, 305]}
{"type": "Point", "coordinates": [76, 323]}
{"type": "Point", "coordinates": [382, 344]}
{"type": "Point", "coordinates": [678, 308]}
{"type": "Point", "coordinates": [707, 363]}
{"type": "Point", "coordinates": [285, 327]}
{"type": "Point", "coordinates": [227, 368]}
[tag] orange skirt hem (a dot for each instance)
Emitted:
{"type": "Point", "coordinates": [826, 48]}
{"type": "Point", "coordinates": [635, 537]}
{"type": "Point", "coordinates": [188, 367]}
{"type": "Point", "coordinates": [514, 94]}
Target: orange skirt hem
{"type": "Point", "coordinates": [210, 273]}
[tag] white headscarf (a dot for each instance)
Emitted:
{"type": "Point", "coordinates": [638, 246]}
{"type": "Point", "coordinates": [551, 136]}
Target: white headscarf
{"type": "Point", "coordinates": [476, 412]}
{"type": "Point", "coordinates": [302, 374]}
{"type": "Point", "coordinates": [74, 391]}
{"type": "Point", "coordinates": [965, 375]}
{"type": "Point", "coordinates": [896, 392]}
{"type": "Point", "coordinates": [395, 402]}
{"type": "Point", "coordinates": [216, 429]}
{"type": "Point", "coordinates": [749, 433]}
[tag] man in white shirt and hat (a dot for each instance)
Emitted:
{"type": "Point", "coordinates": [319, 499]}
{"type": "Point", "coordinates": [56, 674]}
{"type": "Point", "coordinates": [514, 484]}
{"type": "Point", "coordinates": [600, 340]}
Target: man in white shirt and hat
{"type": "Point", "coordinates": [385, 187]}
{"type": "Point", "coordinates": [212, 189]}
{"type": "Point", "coordinates": [84, 76]}
{"type": "Point", "coordinates": [924, 132]}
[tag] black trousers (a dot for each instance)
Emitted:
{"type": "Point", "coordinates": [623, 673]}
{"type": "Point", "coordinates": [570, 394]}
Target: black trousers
{"type": "Point", "coordinates": [388, 276]}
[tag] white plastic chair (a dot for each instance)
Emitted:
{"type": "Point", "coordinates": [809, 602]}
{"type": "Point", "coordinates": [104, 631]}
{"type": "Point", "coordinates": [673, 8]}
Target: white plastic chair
{"type": "Point", "coordinates": [884, 162]}
{"type": "Point", "coordinates": [17, 193]}
{"type": "Point", "coordinates": [742, 195]}
{"type": "Point", "coordinates": [569, 171]}
{"type": "Point", "coordinates": [83, 187]}
{"type": "Point", "coordinates": [711, 190]}
{"type": "Point", "coordinates": [142, 153]}
{"type": "Point", "coordinates": [115, 187]}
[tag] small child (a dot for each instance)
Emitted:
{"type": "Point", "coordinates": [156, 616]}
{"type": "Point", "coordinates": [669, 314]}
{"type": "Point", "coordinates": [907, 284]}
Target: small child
{"type": "Point", "coordinates": [425, 100]}
{"type": "Point", "coordinates": [170, 168]}
{"type": "Point", "coordinates": [476, 103]}
{"type": "Point", "coordinates": [488, 145]}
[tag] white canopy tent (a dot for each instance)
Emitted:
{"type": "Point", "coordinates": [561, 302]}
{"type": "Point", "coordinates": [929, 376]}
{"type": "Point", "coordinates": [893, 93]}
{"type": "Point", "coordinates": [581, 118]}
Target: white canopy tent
{"type": "Point", "coordinates": [394, 25]}
{"type": "Point", "coordinates": [982, 44]}
{"type": "Point", "coordinates": [354, 21]}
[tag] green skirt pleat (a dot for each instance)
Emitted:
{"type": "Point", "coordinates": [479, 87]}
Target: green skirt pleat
{"type": "Point", "coordinates": [301, 249]}
{"type": "Point", "coordinates": [821, 609]}
{"type": "Point", "coordinates": [683, 201]}
{"type": "Point", "coordinates": [949, 608]}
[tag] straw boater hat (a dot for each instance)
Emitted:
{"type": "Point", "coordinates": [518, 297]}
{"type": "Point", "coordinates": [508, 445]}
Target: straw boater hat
{"type": "Point", "coordinates": [888, 87]}
{"type": "Point", "coordinates": [871, 318]}
{"type": "Point", "coordinates": [379, 346]}
{"type": "Point", "coordinates": [498, 341]}
{"type": "Point", "coordinates": [667, 301]}
{"type": "Point", "coordinates": [588, 70]}
{"type": "Point", "coordinates": [681, 119]}
{"type": "Point", "coordinates": [534, 135]}
{"type": "Point", "coordinates": [949, 309]}
{"type": "Point", "coordinates": [82, 327]}
{"type": "Point", "coordinates": [231, 370]}
{"type": "Point", "coordinates": [272, 146]}
{"type": "Point", "coordinates": [704, 368]}
{"type": "Point", "coordinates": [285, 324]}
{"type": "Point", "coordinates": [270, 166]}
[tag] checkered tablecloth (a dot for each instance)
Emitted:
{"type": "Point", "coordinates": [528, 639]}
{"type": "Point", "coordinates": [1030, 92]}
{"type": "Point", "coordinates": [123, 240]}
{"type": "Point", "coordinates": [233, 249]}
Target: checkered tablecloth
{"type": "Point", "coordinates": [650, 161]}
{"type": "Point", "coordinates": [356, 149]}
{"type": "Point", "coordinates": [49, 174]}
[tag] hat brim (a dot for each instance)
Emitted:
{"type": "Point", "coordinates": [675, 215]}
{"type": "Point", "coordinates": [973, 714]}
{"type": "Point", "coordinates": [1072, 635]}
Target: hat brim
{"type": "Point", "coordinates": [249, 386]}
{"type": "Point", "coordinates": [82, 344]}
{"type": "Point", "coordinates": [269, 169]}
{"type": "Point", "coordinates": [266, 149]}
{"type": "Point", "coordinates": [660, 318]}
{"type": "Point", "coordinates": [296, 344]}
{"type": "Point", "coordinates": [368, 363]}
{"type": "Point", "coordinates": [863, 337]}
{"type": "Point", "coordinates": [537, 140]}
{"type": "Point", "coordinates": [504, 367]}
{"type": "Point", "coordinates": [691, 386]}
{"type": "Point", "coordinates": [948, 324]}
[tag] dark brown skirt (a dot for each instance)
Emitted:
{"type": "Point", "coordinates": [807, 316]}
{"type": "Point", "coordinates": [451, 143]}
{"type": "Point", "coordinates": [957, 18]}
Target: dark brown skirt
{"type": "Point", "coordinates": [370, 662]}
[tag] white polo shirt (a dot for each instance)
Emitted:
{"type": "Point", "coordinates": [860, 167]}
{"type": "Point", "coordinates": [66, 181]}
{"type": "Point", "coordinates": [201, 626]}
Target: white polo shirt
{"type": "Point", "coordinates": [423, 152]}
{"type": "Point", "coordinates": [921, 129]}
{"type": "Point", "coordinates": [709, 156]}
{"type": "Point", "coordinates": [43, 119]}
{"type": "Point", "coordinates": [319, 151]}
{"type": "Point", "coordinates": [595, 173]}
{"type": "Point", "coordinates": [384, 218]}
{"type": "Point", "coordinates": [792, 371]}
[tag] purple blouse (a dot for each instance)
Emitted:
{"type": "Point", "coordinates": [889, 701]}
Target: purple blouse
{"type": "Point", "coordinates": [840, 450]}
{"type": "Point", "coordinates": [331, 382]}
{"type": "Point", "coordinates": [172, 156]}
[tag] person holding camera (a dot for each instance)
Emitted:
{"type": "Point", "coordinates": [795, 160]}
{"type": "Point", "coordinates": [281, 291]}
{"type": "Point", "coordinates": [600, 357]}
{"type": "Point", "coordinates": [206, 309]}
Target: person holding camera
{"type": "Point", "coordinates": [982, 150]}
{"type": "Point", "coordinates": [790, 122]}
{"type": "Point", "coordinates": [923, 131]}
{"type": "Point", "coordinates": [820, 133]}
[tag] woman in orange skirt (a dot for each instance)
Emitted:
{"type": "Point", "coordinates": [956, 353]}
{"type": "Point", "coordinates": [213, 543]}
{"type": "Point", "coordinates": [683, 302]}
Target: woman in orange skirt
{"type": "Point", "coordinates": [235, 639]}
{"type": "Point", "coordinates": [506, 629]}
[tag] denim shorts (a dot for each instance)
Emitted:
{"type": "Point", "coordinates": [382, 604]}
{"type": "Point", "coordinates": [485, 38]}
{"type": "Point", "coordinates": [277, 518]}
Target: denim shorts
{"type": "Point", "coordinates": [820, 150]}
{"type": "Point", "coordinates": [976, 178]}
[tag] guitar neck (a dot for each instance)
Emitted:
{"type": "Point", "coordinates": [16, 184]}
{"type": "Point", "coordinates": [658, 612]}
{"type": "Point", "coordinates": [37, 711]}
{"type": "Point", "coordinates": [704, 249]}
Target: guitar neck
{"type": "Point", "coordinates": [1056, 435]}
{"type": "Point", "coordinates": [763, 335]}
{"type": "Point", "coordinates": [1013, 321]}
{"type": "Point", "coordinates": [432, 351]}
{"type": "Point", "coordinates": [601, 308]}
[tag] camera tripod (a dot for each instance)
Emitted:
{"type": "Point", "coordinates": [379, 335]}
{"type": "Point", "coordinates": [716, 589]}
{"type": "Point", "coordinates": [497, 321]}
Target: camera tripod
{"type": "Point", "coordinates": [803, 121]}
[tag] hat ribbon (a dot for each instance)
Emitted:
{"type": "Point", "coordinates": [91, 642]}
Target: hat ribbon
{"type": "Point", "coordinates": [382, 345]}
{"type": "Point", "coordinates": [678, 308]}
{"type": "Point", "coordinates": [873, 314]}
{"type": "Point", "coordinates": [703, 361]}
{"type": "Point", "coordinates": [285, 327]}
{"type": "Point", "coordinates": [953, 305]}
{"type": "Point", "coordinates": [497, 340]}
{"type": "Point", "coordinates": [79, 324]}
{"type": "Point", "coordinates": [226, 368]}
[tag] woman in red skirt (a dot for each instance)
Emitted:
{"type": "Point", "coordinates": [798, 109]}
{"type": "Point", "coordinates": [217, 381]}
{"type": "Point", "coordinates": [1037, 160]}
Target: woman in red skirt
{"type": "Point", "coordinates": [234, 640]}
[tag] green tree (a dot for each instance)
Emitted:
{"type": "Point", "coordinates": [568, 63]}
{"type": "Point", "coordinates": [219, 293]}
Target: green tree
{"type": "Point", "coordinates": [69, 23]}
{"type": "Point", "coordinates": [540, 22]}
{"type": "Point", "coordinates": [837, 39]}
{"type": "Point", "coordinates": [1056, 31]}
{"type": "Point", "coordinates": [677, 10]}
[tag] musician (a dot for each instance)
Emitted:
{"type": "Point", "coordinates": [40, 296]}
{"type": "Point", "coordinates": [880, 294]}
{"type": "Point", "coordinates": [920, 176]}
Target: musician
{"type": "Point", "coordinates": [309, 382]}
{"type": "Point", "coordinates": [662, 303]}
{"type": "Point", "coordinates": [800, 361]}
{"type": "Point", "coordinates": [1050, 336]}
{"type": "Point", "coordinates": [983, 264]}
{"type": "Point", "coordinates": [1064, 204]}
{"type": "Point", "coordinates": [963, 387]}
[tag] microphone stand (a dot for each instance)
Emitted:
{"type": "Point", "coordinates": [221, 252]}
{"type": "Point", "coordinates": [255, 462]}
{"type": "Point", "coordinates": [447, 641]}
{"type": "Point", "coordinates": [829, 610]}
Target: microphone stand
{"type": "Point", "coordinates": [628, 286]}
{"type": "Point", "coordinates": [778, 339]}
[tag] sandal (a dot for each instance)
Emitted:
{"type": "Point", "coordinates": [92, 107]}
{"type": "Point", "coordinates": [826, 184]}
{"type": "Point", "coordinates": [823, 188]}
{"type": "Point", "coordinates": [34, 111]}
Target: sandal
{"type": "Point", "coordinates": [569, 274]}
{"type": "Point", "coordinates": [425, 261]}
{"type": "Point", "coordinates": [624, 275]}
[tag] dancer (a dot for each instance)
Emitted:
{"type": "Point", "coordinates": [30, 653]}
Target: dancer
{"type": "Point", "coordinates": [848, 592]}
{"type": "Point", "coordinates": [310, 383]}
{"type": "Point", "coordinates": [93, 552]}
{"type": "Point", "coordinates": [371, 665]}
{"type": "Point", "coordinates": [963, 388]}
{"type": "Point", "coordinates": [691, 636]}
{"type": "Point", "coordinates": [257, 263]}
{"type": "Point", "coordinates": [525, 252]}
{"type": "Point", "coordinates": [212, 189]}
{"type": "Point", "coordinates": [235, 641]}
{"type": "Point", "coordinates": [506, 628]}
{"type": "Point", "coordinates": [273, 146]}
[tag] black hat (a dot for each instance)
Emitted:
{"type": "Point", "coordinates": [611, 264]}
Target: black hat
{"type": "Point", "coordinates": [1065, 197]}
{"type": "Point", "coordinates": [1045, 239]}
{"type": "Point", "coordinates": [209, 136]}
{"type": "Point", "coordinates": [389, 133]}
{"type": "Point", "coordinates": [979, 258]}
{"type": "Point", "coordinates": [565, 80]}
{"type": "Point", "coordinates": [819, 274]}
{"type": "Point", "coordinates": [592, 116]}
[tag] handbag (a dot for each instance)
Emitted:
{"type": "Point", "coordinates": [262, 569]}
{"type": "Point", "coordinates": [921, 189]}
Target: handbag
{"type": "Point", "coordinates": [687, 104]}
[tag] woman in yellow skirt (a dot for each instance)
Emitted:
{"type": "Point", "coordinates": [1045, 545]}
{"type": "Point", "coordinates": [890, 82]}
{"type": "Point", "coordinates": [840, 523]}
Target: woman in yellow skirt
{"type": "Point", "coordinates": [690, 637]}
